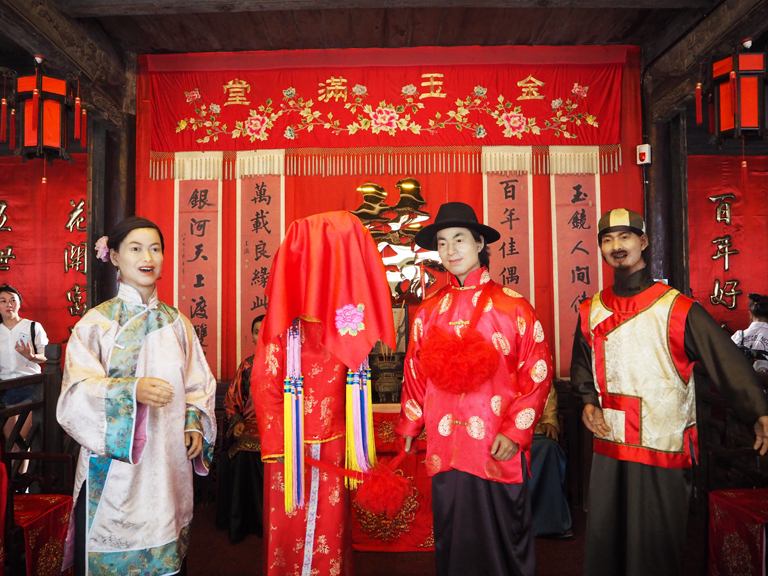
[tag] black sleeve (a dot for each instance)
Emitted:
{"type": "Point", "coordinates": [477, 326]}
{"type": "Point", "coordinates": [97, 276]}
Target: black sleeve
{"type": "Point", "coordinates": [582, 379]}
{"type": "Point", "coordinates": [729, 370]}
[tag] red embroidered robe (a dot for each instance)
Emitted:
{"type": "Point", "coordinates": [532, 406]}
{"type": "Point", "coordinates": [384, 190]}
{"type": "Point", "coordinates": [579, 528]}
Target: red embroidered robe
{"type": "Point", "coordinates": [461, 428]}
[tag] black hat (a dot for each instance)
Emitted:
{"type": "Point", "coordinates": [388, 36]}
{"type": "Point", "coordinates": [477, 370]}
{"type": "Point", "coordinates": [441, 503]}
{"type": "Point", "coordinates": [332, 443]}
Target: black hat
{"type": "Point", "coordinates": [455, 215]}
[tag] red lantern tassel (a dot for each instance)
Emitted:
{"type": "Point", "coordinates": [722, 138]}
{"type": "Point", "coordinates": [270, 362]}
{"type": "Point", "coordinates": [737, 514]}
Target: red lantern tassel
{"type": "Point", "coordinates": [732, 77]}
{"type": "Point", "coordinates": [35, 108]}
{"type": "Point", "coordinates": [45, 180]}
{"type": "Point", "coordinates": [77, 117]}
{"type": "Point", "coordinates": [3, 120]}
{"type": "Point", "coordinates": [743, 166]}
{"type": "Point", "coordinates": [84, 129]}
{"type": "Point", "coordinates": [12, 138]}
{"type": "Point", "coordinates": [699, 111]}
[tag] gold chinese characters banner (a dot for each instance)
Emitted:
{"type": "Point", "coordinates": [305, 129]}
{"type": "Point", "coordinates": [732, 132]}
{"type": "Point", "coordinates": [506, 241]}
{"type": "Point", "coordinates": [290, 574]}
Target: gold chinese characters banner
{"type": "Point", "coordinates": [728, 234]}
{"type": "Point", "coordinates": [354, 101]}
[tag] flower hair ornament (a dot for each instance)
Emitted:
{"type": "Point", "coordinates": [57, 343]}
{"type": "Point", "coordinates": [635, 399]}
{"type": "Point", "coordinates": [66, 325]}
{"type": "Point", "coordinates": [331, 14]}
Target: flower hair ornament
{"type": "Point", "coordinates": [102, 250]}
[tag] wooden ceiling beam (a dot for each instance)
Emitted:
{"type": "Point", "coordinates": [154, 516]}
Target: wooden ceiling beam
{"type": "Point", "coordinates": [40, 28]}
{"type": "Point", "coordinates": [677, 70]}
{"type": "Point", "coordinates": [101, 8]}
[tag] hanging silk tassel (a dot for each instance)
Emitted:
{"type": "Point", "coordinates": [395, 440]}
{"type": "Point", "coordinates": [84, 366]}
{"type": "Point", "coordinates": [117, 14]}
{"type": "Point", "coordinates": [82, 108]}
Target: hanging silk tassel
{"type": "Point", "coordinates": [84, 130]}
{"type": "Point", "coordinates": [12, 131]}
{"type": "Point", "coordinates": [699, 103]}
{"type": "Point", "coordinates": [732, 82]}
{"type": "Point", "coordinates": [699, 111]}
{"type": "Point", "coordinates": [360, 446]}
{"type": "Point", "coordinates": [293, 422]}
{"type": "Point", "coordinates": [45, 180]}
{"type": "Point", "coordinates": [3, 120]}
{"type": "Point", "coordinates": [743, 167]}
{"type": "Point", "coordinates": [77, 117]}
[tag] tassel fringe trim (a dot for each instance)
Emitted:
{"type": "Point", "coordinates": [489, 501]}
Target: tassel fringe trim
{"type": "Point", "coordinates": [537, 160]}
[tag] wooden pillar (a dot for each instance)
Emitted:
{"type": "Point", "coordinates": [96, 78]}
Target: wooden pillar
{"type": "Point", "coordinates": [657, 201]}
{"type": "Point", "coordinates": [52, 436]}
{"type": "Point", "coordinates": [97, 273]}
{"type": "Point", "coordinates": [680, 253]}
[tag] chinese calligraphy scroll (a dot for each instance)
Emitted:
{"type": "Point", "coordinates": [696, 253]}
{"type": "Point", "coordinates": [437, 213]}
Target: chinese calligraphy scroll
{"type": "Point", "coordinates": [728, 232]}
{"type": "Point", "coordinates": [576, 258]}
{"type": "Point", "coordinates": [260, 227]}
{"type": "Point", "coordinates": [197, 279]}
{"type": "Point", "coordinates": [509, 209]}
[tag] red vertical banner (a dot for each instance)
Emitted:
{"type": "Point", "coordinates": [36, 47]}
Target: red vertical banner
{"type": "Point", "coordinates": [577, 265]}
{"type": "Point", "coordinates": [508, 209]}
{"type": "Point", "coordinates": [197, 282]}
{"type": "Point", "coordinates": [260, 228]}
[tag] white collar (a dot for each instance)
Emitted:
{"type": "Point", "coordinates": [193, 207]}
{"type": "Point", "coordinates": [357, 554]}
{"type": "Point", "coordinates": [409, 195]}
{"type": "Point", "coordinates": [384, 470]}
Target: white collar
{"type": "Point", "coordinates": [130, 295]}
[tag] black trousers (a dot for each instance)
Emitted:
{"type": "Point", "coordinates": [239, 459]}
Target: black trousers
{"type": "Point", "coordinates": [240, 506]}
{"type": "Point", "coordinates": [637, 519]}
{"type": "Point", "coordinates": [482, 528]}
{"type": "Point", "coordinates": [80, 536]}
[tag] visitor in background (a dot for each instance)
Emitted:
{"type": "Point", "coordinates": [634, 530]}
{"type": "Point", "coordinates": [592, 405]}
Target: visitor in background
{"type": "Point", "coordinates": [551, 513]}
{"type": "Point", "coordinates": [22, 345]}
{"type": "Point", "coordinates": [138, 396]}
{"type": "Point", "coordinates": [241, 472]}
{"type": "Point", "coordinates": [754, 339]}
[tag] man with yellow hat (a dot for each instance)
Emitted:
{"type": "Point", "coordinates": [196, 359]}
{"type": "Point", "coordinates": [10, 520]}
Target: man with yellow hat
{"type": "Point", "coordinates": [633, 356]}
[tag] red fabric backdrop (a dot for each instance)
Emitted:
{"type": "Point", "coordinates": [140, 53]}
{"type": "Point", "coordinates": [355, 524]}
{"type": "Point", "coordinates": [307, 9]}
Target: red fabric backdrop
{"type": "Point", "coordinates": [307, 195]}
{"type": "Point", "coordinates": [713, 176]}
{"type": "Point", "coordinates": [410, 97]}
{"type": "Point", "coordinates": [37, 216]}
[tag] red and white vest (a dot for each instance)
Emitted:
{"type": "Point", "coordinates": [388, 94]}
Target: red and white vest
{"type": "Point", "coordinates": [643, 376]}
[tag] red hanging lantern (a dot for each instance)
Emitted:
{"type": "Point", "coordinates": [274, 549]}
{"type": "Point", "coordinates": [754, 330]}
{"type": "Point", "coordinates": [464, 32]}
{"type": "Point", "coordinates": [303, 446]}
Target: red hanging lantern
{"type": "Point", "coordinates": [41, 102]}
{"type": "Point", "coordinates": [739, 95]}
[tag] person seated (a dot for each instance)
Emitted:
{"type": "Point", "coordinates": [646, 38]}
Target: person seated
{"type": "Point", "coordinates": [241, 471]}
{"type": "Point", "coordinates": [754, 340]}
{"type": "Point", "coordinates": [551, 513]}
{"type": "Point", "coordinates": [22, 345]}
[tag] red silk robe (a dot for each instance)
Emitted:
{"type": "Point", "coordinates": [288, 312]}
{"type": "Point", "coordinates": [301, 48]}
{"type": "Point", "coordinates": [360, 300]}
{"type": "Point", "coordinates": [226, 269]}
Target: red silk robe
{"type": "Point", "coordinates": [461, 428]}
{"type": "Point", "coordinates": [286, 544]}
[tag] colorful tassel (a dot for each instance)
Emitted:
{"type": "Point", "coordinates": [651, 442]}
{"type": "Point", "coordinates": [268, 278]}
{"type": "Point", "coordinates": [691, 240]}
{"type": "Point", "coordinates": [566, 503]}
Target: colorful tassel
{"type": "Point", "coordinates": [360, 444]}
{"type": "Point", "coordinates": [293, 422]}
{"type": "Point", "coordinates": [77, 118]}
{"type": "Point", "coordinates": [3, 120]}
{"type": "Point", "coordinates": [84, 130]}
{"type": "Point", "coordinates": [12, 137]}
{"type": "Point", "coordinates": [699, 111]}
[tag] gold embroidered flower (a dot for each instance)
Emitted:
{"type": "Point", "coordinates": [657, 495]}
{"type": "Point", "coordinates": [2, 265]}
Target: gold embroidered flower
{"type": "Point", "coordinates": [524, 418]}
{"type": "Point", "coordinates": [446, 425]}
{"type": "Point", "coordinates": [501, 343]}
{"type": "Point", "coordinates": [476, 427]}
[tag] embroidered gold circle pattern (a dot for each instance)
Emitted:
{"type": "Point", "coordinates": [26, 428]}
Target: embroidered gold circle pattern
{"type": "Point", "coordinates": [539, 371]}
{"type": "Point", "coordinates": [521, 326]}
{"type": "Point", "coordinates": [538, 332]}
{"type": "Point", "coordinates": [434, 464]}
{"type": "Point", "coordinates": [446, 425]}
{"type": "Point", "coordinates": [412, 410]}
{"type": "Point", "coordinates": [496, 405]}
{"type": "Point", "coordinates": [418, 329]}
{"type": "Point", "coordinates": [413, 370]}
{"type": "Point", "coordinates": [476, 427]}
{"type": "Point", "coordinates": [485, 277]}
{"type": "Point", "coordinates": [501, 343]}
{"type": "Point", "coordinates": [524, 419]}
{"type": "Point", "coordinates": [492, 469]}
{"type": "Point", "coordinates": [512, 293]}
{"type": "Point", "coordinates": [445, 303]}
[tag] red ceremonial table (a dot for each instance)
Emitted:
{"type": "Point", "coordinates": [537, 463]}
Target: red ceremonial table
{"type": "Point", "coordinates": [411, 529]}
{"type": "Point", "coordinates": [737, 520]}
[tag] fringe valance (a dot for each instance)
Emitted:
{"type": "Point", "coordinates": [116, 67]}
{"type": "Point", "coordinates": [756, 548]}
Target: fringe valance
{"type": "Point", "coordinates": [392, 161]}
